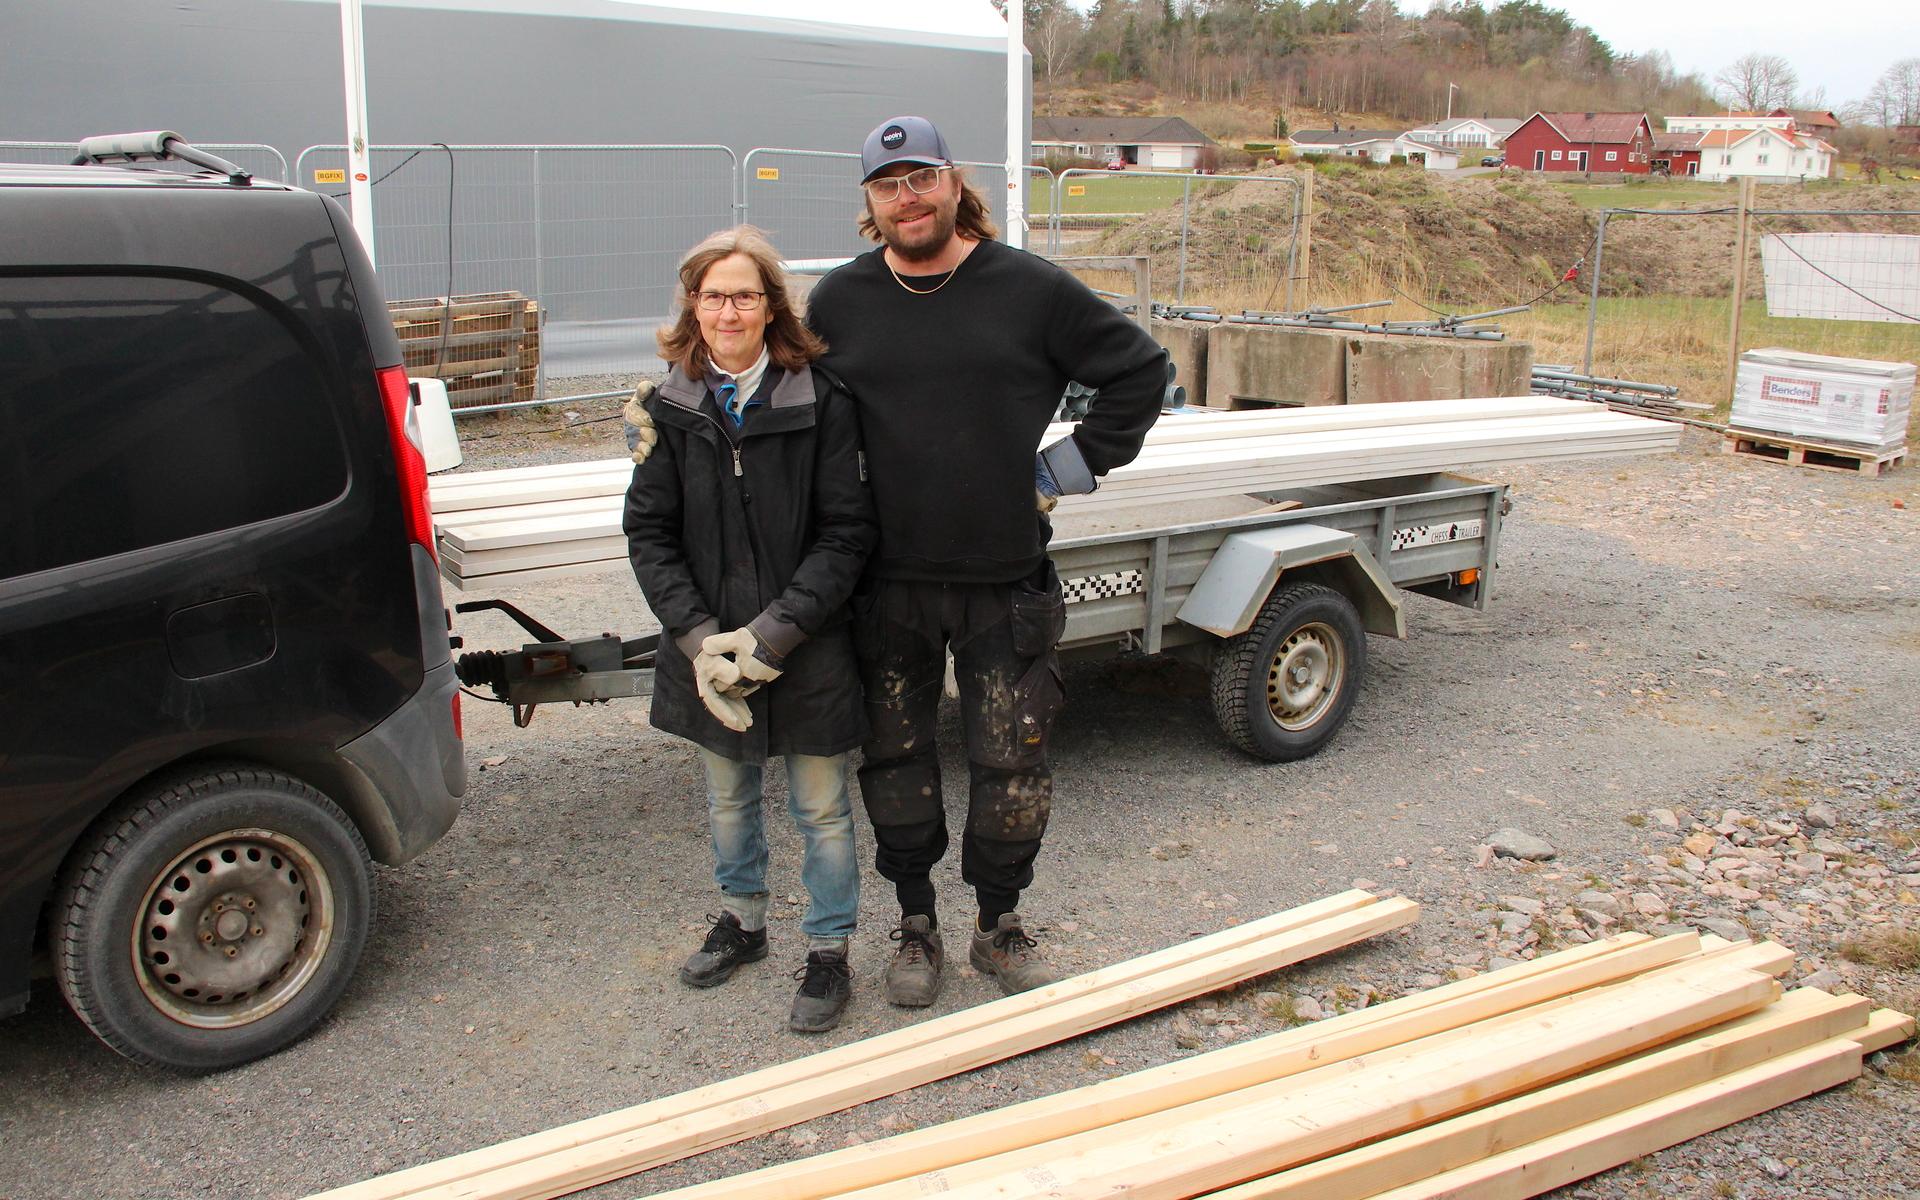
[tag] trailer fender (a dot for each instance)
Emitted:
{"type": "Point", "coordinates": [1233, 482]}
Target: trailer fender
{"type": "Point", "coordinates": [1242, 573]}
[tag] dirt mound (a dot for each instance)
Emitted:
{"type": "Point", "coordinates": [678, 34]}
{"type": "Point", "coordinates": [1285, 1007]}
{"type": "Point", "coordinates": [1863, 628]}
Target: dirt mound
{"type": "Point", "coordinates": [1483, 240]}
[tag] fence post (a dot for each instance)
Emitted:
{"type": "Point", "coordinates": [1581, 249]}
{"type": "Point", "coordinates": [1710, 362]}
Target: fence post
{"type": "Point", "coordinates": [539, 277]}
{"type": "Point", "coordinates": [1741, 206]}
{"type": "Point", "coordinates": [1306, 240]}
{"type": "Point", "coordinates": [1186, 215]}
{"type": "Point", "coordinates": [1593, 286]}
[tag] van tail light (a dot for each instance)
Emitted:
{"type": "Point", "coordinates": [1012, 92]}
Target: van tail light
{"type": "Point", "coordinates": [459, 733]}
{"type": "Point", "coordinates": [403, 430]}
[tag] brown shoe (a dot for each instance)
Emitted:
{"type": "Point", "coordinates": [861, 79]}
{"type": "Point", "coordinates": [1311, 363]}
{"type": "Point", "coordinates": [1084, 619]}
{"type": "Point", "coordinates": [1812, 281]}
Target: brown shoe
{"type": "Point", "coordinates": [913, 977]}
{"type": "Point", "coordinates": [1010, 956]}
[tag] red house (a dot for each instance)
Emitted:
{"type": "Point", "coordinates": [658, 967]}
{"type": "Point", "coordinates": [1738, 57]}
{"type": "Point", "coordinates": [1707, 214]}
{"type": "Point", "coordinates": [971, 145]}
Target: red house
{"type": "Point", "coordinates": [1677, 153]}
{"type": "Point", "coordinates": [1597, 142]}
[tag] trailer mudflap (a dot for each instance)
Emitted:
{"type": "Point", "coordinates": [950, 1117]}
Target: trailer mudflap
{"type": "Point", "coordinates": [1241, 575]}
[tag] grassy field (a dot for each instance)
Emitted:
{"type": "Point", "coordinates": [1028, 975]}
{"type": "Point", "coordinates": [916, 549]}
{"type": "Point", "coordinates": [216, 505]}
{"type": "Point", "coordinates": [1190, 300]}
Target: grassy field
{"type": "Point", "coordinates": [1654, 192]}
{"type": "Point", "coordinates": [1110, 194]}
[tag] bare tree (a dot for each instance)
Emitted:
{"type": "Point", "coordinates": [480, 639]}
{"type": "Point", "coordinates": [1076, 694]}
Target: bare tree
{"type": "Point", "coordinates": [1757, 82]}
{"type": "Point", "coordinates": [1897, 93]}
{"type": "Point", "coordinates": [1382, 24]}
{"type": "Point", "coordinates": [1054, 33]}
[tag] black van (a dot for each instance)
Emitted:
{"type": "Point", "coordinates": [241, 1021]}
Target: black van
{"type": "Point", "coordinates": [225, 679]}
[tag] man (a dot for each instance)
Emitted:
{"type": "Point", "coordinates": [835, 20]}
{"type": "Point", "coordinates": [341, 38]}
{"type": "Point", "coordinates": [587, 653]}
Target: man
{"type": "Point", "coordinates": [956, 349]}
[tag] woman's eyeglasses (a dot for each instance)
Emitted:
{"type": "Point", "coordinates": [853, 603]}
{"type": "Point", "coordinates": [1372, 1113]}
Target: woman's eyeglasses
{"type": "Point", "coordinates": [886, 191]}
{"type": "Point", "coordinates": [742, 301]}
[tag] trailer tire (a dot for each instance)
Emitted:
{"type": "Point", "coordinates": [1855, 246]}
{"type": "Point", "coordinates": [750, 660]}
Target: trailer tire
{"type": "Point", "coordinates": [212, 917]}
{"type": "Point", "coordinates": [1283, 688]}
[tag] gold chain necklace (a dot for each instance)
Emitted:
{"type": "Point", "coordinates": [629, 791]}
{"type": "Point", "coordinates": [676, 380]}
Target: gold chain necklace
{"type": "Point", "coordinates": [924, 291]}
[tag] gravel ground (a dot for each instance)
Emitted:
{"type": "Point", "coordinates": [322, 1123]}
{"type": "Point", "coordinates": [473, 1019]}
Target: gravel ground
{"type": "Point", "coordinates": [1695, 681]}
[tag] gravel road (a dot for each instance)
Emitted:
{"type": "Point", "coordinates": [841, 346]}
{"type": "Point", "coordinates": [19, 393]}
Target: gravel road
{"type": "Point", "coordinates": [1670, 639]}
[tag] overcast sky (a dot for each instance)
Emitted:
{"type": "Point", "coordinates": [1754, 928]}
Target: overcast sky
{"type": "Point", "coordinates": [1842, 45]}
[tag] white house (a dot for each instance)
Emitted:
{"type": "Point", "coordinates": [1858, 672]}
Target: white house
{"type": "Point", "coordinates": [1377, 145]}
{"type": "Point", "coordinates": [1428, 155]}
{"type": "Point", "coordinates": [1730, 120]}
{"type": "Point", "coordinates": [1157, 143]}
{"type": "Point", "coordinates": [1467, 133]}
{"type": "Point", "coordinates": [1767, 154]}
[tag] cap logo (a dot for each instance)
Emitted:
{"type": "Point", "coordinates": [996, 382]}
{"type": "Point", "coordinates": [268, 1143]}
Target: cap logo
{"type": "Point", "coordinates": [894, 137]}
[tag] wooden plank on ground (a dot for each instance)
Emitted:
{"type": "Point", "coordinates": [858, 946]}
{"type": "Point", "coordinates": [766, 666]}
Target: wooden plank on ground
{"type": "Point", "coordinates": [1273, 1126]}
{"type": "Point", "coordinates": [1798, 1020]}
{"type": "Point", "coordinates": [1275, 1056]}
{"type": "Point", "coordinates": [1610, 1141]}
{"type": "Point", "coordinates": [558, 1161]}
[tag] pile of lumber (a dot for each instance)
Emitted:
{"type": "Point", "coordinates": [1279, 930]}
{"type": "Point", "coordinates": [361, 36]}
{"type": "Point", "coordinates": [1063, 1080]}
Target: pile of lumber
{"type": "Point", "coordinates": [594, 1151]}
{"type": "Point", "coordinates": [485, 346]}
{"type": "Point", "coordinates": [503, 525]}
{"type": "Point", "coordinates": [1505, 1085]}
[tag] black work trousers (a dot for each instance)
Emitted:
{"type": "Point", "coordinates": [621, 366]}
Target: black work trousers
{"type": "Point", "coordinates": [1003, 638]}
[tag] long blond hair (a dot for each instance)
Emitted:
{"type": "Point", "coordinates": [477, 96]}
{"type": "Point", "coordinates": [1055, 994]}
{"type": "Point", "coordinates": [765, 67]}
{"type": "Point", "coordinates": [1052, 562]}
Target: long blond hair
{"type": "Point", "coordinates": [790, 344]}
{"type": "Point", "coordinates": [973, 219]}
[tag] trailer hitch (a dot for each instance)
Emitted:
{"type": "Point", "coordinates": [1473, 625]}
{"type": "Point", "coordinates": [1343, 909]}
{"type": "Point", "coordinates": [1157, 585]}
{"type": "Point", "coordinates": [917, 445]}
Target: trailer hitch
{"type": "Point", "coordinates": [579, 670]}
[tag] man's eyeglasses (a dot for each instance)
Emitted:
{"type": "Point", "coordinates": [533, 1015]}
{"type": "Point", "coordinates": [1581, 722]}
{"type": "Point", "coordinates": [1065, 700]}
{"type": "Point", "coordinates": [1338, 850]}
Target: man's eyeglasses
{"type": "Point", "coordinates": [886, 191]}
{"type": "Point", "coordinates": [742, 301]}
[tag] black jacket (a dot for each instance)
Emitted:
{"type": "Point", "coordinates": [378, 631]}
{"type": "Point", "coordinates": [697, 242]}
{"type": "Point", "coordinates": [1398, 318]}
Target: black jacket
{"type": "Point", "coordinates": [771, 531]}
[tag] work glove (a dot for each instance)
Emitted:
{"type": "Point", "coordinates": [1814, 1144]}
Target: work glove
{"type": "Point", "coordinates": [752, 663]}
{"type": "Point", "coordinates": [641, 435]}
{"type": "Point", "coordinates": [712, 676]}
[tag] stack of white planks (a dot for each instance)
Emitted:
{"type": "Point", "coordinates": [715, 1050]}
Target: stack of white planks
{"type": "Point", "coordinates": [504, 525]}
{"type": "Point", "coordinates": [600, 1149]}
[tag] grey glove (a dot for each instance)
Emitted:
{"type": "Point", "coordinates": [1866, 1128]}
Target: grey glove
{"type": "Point", "coordinates": [641, 435]}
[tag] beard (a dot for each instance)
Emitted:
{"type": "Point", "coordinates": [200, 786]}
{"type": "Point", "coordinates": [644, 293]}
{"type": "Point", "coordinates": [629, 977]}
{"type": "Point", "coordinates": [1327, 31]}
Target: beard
{"type": "Point", "coordinates": [928, 241]}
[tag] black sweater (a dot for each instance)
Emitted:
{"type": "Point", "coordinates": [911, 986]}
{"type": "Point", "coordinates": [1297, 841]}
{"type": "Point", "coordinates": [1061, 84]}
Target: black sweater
{"type": "Point", "coordinates": [955, 389]}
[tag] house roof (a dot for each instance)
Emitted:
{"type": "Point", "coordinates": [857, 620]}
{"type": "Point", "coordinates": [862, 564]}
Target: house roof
{"type": "Point", "coordinates": [1686, 139]}
{"type": "Point", "coordinates": [1497, 124]}
{"type": "Point", "coordinates": [1725, 139]}
{"type": "Point", "coordinates": [1817, 117]}
{"type": "Point", "coordinates": [1344, 137]}
{"type": "Point", "coordinates": [1430, 148]}
{"type": "Point", "coordinates": [1129, 130]}
{"type": "Point", "coordinates": [1595, 127]}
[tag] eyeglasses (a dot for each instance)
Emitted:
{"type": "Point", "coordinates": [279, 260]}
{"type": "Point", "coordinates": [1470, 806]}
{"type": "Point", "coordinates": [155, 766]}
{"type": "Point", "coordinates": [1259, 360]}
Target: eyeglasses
{"type": "Point", "coordinates": [885, 191]}
{"type": "Point", "coordinates": [742, 301]}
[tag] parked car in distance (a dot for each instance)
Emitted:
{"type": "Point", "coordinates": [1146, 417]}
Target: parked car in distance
{"type": "Point", "coordinates": [228, 682]}
{"type": "Point", "coordinates": [1493, 160]}
{"type": "Point", "coordinates": [1116, 164]}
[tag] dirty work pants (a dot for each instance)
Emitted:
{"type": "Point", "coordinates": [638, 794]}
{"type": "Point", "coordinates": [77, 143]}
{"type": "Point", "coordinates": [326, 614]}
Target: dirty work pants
{"type": "Point", "coordinates": [1003, 638]}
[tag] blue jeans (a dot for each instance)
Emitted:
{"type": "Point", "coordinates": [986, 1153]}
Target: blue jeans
{"type": "Point", "coordinates": [823, 812]}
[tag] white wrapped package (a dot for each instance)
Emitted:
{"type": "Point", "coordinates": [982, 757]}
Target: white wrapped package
{"type": "Point", "coordinates": [1820, 398]}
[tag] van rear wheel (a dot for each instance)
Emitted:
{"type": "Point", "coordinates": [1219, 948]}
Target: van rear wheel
{"type": "Point", "coordinates": [1282, 689]}
{"type": "Point", "coordinates": [213, 917]}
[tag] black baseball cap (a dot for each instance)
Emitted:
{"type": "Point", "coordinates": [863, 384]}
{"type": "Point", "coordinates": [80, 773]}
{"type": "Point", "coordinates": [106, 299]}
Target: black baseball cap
{"type": "Point", "coordinates": [902, 140]}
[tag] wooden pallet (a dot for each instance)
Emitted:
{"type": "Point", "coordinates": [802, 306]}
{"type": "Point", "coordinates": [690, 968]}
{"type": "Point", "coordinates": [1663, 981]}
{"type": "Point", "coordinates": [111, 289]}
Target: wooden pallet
{"type": "Point", "coordinates": [485, 346]}
{"type": "Point", "coordinates": [1824, 455]}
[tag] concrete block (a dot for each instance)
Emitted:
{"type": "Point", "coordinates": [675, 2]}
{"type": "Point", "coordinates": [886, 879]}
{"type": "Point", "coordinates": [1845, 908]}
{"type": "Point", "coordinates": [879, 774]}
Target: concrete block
{"type": "Point", "coordinates": [1186, 345]}
{"type": "Point", "coordinates": [1384, 369]}
{"type": "Point", "coordinates": [1262, 366]}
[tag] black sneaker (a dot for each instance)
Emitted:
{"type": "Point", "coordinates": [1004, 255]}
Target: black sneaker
{"type": "Point", "coordinates": [726, 947]}
{"type": "Point", "coordinates": [825, 983]}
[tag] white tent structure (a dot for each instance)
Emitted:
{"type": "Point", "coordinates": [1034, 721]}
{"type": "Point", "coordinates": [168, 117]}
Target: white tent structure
{"type": "Point", "coordinates": [741, 73]}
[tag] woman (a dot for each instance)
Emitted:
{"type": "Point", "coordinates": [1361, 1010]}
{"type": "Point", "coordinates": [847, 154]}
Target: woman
{"type": "Point", "coordinates": [748, 526]}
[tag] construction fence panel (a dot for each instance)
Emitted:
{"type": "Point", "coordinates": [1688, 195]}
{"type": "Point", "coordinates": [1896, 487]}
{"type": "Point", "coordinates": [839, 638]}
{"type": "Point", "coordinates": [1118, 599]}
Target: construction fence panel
{"type": "Point", "coordinates": [1813, 277]}
{"type": "Point", "coordinates": [263, 161]}
{"type": "Point", "coordinates": [1227, 240]}
{"type": "Point", "coordinates": [549, 267]}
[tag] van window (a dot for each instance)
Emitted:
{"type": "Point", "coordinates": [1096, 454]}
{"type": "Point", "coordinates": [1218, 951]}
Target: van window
{"type": "Point", "coordinates": [137, 410]}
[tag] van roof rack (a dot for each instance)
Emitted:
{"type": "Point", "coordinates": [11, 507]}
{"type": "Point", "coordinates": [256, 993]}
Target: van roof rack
{"type": "Point", "coordinates": [159, 145]}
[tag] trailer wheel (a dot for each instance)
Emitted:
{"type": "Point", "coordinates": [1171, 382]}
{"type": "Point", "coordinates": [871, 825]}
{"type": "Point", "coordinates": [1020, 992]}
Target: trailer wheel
{"type": "Point", "coordinates": [212, 918]}
{"type": "Point", "coordinates": [1283, 688]}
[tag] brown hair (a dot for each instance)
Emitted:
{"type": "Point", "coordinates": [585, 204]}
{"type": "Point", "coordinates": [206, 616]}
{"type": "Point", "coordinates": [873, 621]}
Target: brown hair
{"type": "Point", "coordinates": [973, 218]}
{"type": "Point", "coordinates": [790, 344]}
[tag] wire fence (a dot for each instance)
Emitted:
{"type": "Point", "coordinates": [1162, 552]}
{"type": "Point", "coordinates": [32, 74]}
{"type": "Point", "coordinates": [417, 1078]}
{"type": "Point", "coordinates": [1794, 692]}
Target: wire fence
{"type": "Point", "coordinates": [1677, 296]}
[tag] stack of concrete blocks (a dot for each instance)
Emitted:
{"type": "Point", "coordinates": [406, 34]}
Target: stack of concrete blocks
{"type": "Point", "coordinates": [1266, 366]}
